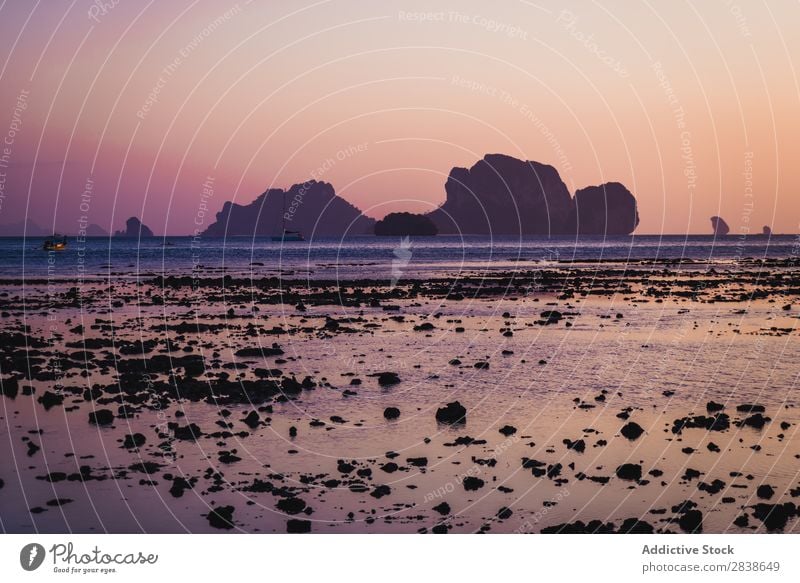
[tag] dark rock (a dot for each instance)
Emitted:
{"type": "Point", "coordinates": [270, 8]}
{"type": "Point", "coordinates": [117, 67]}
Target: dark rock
{"type": "Point", "coordinates": [443, 508]}
{"type": "Point", "coordinates": [765, 492]}
{"type": "Point", "coordinates": [756, 421]}
{"type": "Point", "coordinates": [452, 413]}
{"type": "Point", "coordinates": [9, 387]}
{"type": "Point", "coordinates": [508, 430]}
{"type": "Point", "coordinates": [631, 430]}
{"type": "Point", "coordinates": [635, 526]}
{"type": "Point", "coordinates": [504, 513]}
{"type": "Point", "coordinates": [380, 491]}
{"type": "Point", "coordinates": [714, 487]}
{"type": "Point", "coordinates": [145, 467]}
{"type": "Point", "coordinates": [260, 351]}
{"type": "Point", "coordinates": [134, 440]}
{"type": "Point", "coordinates": [296, 526]}
{"type": "Point", "coordinates": [552, 316]}
{"type": "Point", "coordinates": [578, 445]}
{"type": "Point", "coordinates": [50, 399]}
{"type": "Point", "coordinates": [775, 516]}
{"type": "Point", "coordinates": [391, 413]}
{"type": "Point", "coordinates": [631, 472]}
{"type": "Point", "coordinates": [188, 432]}
{"type": "Point", "coordinates": [718, 422]}
{"type": "Point", "coordinates": [713, 407]}
{"type": "Point", "coordinates": [691, 521]}
{"type": "Point", "coordinates": [345, 468]}
{"type": "Point", "coordinates": [101, 417]}
{"type": "Point", "coordinates": [179, 485]}
{"type": "Point", "coordinates": [386, 379]}
{"type": "Point", "coordinates": [405, 224]}
{"type": "Point", "coordinates": [579, 527]}
{"type": "Point", "coordinates": [291, 505]}
{"type": "Point", "coordinates": [222, 517]}
{"type": "Point", "coordinates": [252, 420]}
{"type": "Point", "coordinates": [473, 483]}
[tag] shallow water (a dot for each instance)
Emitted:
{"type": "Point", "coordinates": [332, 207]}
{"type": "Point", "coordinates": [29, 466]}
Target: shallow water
{"type": "Point", "coordinates": [701, 351]}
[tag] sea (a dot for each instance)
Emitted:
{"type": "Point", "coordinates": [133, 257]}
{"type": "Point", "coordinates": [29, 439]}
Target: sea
{"type": "Point", "coordinates": [378, 258]}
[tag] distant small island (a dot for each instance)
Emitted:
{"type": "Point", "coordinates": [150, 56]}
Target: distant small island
{"type": "Point", "coordinates": [719, 226]}
{"type": "Point", "coordinates": [406, 224]}
{"type": "Point", "coordinates": [134, 228]}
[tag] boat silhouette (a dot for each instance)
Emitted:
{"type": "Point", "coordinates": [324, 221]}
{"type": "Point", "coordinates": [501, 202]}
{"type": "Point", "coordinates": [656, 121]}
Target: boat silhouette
{"type": "Point", "coordinates": [55, 243]}
{"type": "Point", "coordinates": [287, 235]}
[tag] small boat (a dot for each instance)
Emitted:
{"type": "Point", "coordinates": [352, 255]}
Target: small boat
{"type": "Point", "coordinates": [55, 243]}
{"type": "Point", "coordinates": [289, 236]}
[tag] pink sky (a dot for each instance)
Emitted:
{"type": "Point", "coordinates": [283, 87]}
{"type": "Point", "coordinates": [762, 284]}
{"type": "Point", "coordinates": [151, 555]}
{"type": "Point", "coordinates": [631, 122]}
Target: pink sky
{"type": "Point", "coordinates": [693, 107]}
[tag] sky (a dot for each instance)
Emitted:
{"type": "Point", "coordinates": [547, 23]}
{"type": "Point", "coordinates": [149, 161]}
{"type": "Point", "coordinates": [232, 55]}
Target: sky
{"type": "Point", "coordinates": [166, 110]}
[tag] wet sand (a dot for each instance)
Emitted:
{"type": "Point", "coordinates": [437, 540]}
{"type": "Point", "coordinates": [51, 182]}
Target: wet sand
{"type": "Point", "coordinates": [597, 397]}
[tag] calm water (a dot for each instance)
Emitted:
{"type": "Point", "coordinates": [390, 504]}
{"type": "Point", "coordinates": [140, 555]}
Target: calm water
{"type": "Point", "coordinates": [374, 257]}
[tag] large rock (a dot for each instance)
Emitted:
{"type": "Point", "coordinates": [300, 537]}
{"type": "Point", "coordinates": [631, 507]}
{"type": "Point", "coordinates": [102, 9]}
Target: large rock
{"type": "Point", "coordinates": [501, 195]}
{"type": "Point", "coordinates": [405, 224]}
{"type": "Point", "coordinates": [608, 209]}
{"type": "Point", "coordinates": [312, 208]}
{"type": "Point", "coordinates": [134, 228]}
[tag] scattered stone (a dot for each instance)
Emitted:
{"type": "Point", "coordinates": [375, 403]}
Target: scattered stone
{"type": "Point", "coordinates": [292, 505]}
{"type": "Point", "coordinates": [452, 413]}
{"type": "Point", "coordinates": [386, 379]}
{"type": "Point", "coordinates": [765, 492]}
{"type": "Point", "coordinates": [391, 413]}
{"type": "Point", "coordinates": [775, 516]}
{"type": "Point", "coordinates": [632, 431]}
{"type": "Point", "coordinates": [134, 440]}
{"type": "Point", "coordinates": [691, 522]}
{"type": "Point", "coordinates": [504, 513]}
{"type": "Point", "coordinates": [50, 400]}
{"type": "Point", "coordinates": [252, 420]}
{"type": "Point", "coordinates": [473, 483]}
{"type": "Point", "coordinates": [578, 445]}
{"type": "Point", "coordinates": [632, 472]}
{"type": "Point", "coordinates": [443, 508]}
{"type": "Point", "coordinates": [221, 518]}
{"type": "Point", "coordinates": [296, 526]}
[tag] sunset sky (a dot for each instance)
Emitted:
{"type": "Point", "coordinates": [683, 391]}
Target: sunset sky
{"type": "Point", "coordinates": [694, 106]}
